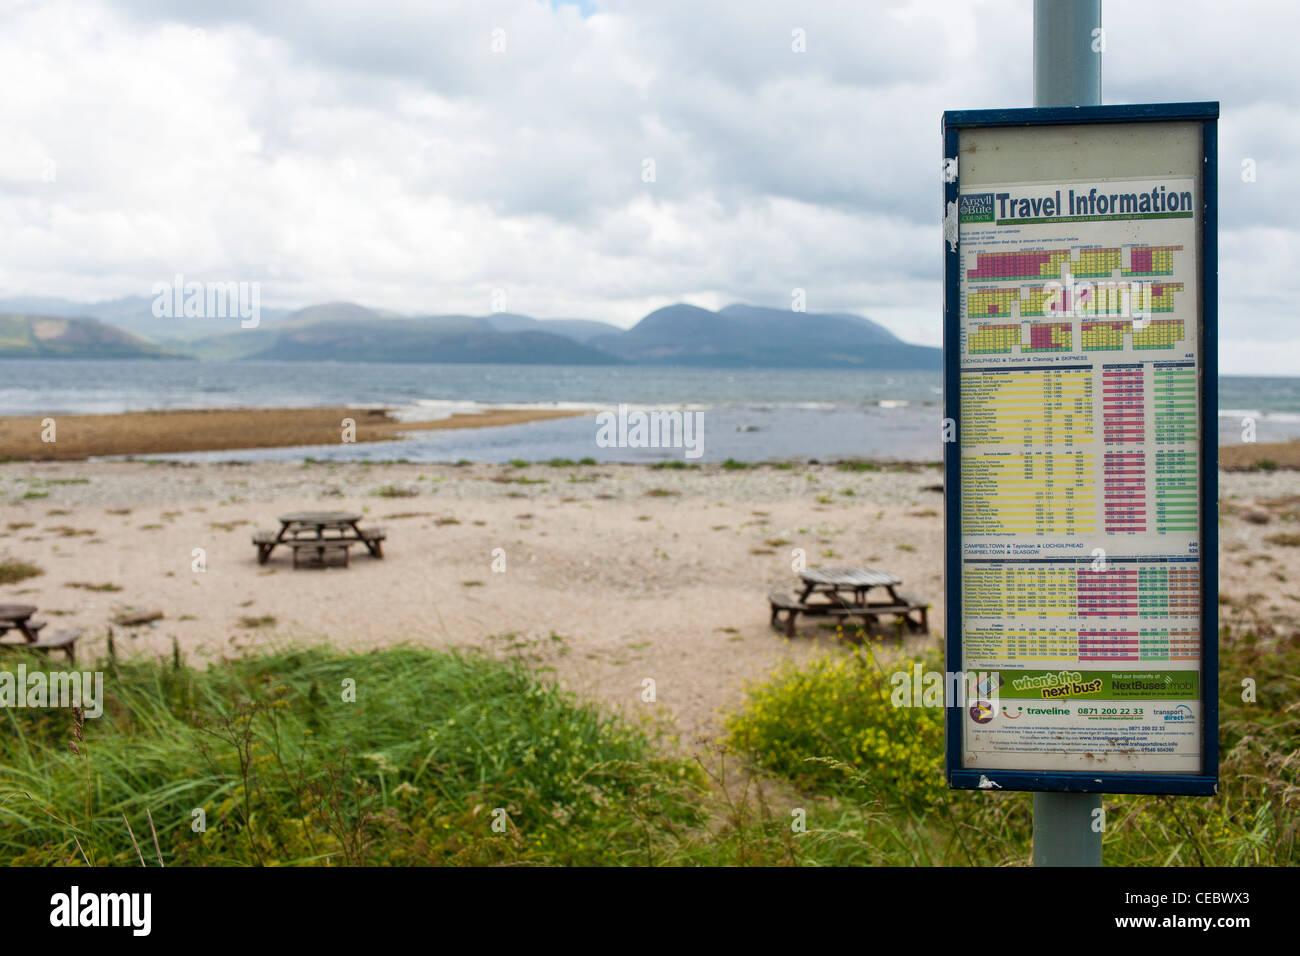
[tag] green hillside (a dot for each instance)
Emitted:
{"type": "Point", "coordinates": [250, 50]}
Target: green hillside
{"type": "Point", "coordinates": [39, 336]}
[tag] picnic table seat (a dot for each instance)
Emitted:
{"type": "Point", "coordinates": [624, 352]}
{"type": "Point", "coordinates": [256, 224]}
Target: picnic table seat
{"type": "Point", "coordinates": [783, 602]}
{"type": "Point", "coordinates": [373, 539]}
{"type": "Point", "coordinates": [64, 640]}
{"type": "Point", "coordinates": [321, 548]}
{"type": "Point", "coordinates": [915, 603]}
{"type": "Point", "coordinates": [265, 541]}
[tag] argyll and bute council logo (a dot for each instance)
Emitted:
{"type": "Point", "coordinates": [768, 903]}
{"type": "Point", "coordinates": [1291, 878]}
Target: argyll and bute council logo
{"type": "Point", "coordinates": [975, 207]}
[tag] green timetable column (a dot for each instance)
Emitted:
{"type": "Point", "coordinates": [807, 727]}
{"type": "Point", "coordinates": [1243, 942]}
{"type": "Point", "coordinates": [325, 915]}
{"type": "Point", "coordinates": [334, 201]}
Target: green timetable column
{"type": "Point", "coordinates": [1176, 484]}
{"type": "Point", "coordinates": [1174, 404]}
{"type": "Point", "coordinates": [1153, 591]}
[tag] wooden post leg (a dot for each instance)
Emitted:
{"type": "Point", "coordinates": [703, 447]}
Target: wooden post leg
{"type": "Point", "coordinates": [789, 622]}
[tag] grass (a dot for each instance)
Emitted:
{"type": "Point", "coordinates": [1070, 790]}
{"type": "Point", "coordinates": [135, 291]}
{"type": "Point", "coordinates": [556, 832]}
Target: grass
{"type": "Point", "coordinates": [826, 726]}
{"type": "Point", "coordinates": [13, 570]}
{"type": "Point", "coordinates": [313, 757]}
{"type": "Point", "coordinates": [1286, 539]}
{"type": "Point", "coordinates": [254, 621]}
{"type": "Point", "coordinates": [408, 755]}
{"type": "Point", "coordinates": [395, 491]}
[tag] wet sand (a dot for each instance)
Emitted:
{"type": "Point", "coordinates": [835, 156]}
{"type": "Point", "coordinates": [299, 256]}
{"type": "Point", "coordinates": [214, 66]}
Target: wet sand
{"type": "Point", "coordinates": [142, 434]}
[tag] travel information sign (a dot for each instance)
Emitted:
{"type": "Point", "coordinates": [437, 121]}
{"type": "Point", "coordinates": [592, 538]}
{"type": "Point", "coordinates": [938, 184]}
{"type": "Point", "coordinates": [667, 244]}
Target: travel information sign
{"type": "Point", "coordinates": [1080, 448]}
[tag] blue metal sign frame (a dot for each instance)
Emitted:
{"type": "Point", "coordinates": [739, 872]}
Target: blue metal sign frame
{"type": "Point", "coordinates": [1206, 782]}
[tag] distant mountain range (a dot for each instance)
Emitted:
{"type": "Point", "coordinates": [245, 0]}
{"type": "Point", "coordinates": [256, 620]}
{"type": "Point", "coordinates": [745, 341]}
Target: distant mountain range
{"type": "Point", "coordinates": [733, 337]}
{"type": "Point", "coordinates": [43, 336]}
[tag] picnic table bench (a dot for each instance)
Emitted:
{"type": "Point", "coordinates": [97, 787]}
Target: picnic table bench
{"type": "Point", "coordinates": [844, 593]}
{"type": "Point", "coordinates": [319, 534]}
{"type": "Point", "coordinates": [17, 617]}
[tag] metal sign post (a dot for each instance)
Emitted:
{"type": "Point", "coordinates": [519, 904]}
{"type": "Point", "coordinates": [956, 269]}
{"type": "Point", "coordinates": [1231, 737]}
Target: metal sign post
{"type": "Point", "coordinates": [1067, 72]}
{"type": "Point", "coordinates": [1081, 469]}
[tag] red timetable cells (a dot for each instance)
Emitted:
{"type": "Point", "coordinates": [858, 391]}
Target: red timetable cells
{"type": "Point", "coordinates": [1125, 485]}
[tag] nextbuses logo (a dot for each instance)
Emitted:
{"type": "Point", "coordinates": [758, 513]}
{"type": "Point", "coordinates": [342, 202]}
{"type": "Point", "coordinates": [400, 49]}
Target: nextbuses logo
{"type": "Point", "coordinates": [1060, 684]}
{"type": "Point", "coordinates": [103, 909]}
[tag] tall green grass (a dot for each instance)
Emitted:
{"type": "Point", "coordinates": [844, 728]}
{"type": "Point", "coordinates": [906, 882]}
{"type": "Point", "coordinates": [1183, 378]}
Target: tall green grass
{"type": "Point", "coordinates": [438, 746]}
{"type": "Point", "coordinates": [434, 750]}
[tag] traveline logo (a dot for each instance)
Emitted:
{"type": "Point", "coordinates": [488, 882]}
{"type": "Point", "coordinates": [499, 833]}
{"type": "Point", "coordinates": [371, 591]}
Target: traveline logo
{"type": "Point", "coordinates": [103, 909]}
{"type": "Point", "coordinates": [651, 429]}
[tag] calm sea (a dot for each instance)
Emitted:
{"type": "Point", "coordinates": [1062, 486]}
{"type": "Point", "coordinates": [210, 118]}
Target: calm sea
{"type": "Point", "coordinates": [749, 415]}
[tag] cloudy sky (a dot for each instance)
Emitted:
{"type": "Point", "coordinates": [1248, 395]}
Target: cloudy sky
{"type": "Point", "coordinates": [420, 155]}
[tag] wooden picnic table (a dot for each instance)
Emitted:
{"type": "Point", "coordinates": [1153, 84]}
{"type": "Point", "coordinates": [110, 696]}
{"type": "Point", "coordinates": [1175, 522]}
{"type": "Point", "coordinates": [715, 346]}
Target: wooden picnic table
{"type": "Point", "coordinates": [319, 532]}
{"type": "Point", "coordinates": [858, 581]}
{"type": "Point", "coordinates": [18, 617]}
{"type": "Point", "coordinates": [844, 592]}
{"type": "Point", "coordinates": [316, 523]}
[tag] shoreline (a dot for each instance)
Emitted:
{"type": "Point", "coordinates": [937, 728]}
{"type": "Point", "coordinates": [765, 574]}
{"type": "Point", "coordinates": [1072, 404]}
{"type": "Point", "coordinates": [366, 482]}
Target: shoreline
{"type": "Point", "coordinates": [79, 437]}
{"type": "Point", "coordinates": [178, 431]}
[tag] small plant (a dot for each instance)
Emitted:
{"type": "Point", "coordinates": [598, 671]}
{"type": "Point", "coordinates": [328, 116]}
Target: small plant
{"type": "Point", "coordinates": [731, 464]}
{"type": "Point", "coordinates": [13, 570]}
{"type": "Point", "coordinates": [251, 621]}
{"type": "Point", "coordinates": [808, 715]}
{"type": "Point", "coordinates": [395, 491]}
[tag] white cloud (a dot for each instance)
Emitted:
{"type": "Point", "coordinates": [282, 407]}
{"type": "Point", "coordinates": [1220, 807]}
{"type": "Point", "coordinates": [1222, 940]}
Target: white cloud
{"type": "Point", "coordinates": [382, 152]}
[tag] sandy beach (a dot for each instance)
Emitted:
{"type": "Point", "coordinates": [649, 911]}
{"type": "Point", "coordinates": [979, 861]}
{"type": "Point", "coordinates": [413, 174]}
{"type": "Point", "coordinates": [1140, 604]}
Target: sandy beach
{"type": "Point", "coordinates": [612, 574]}
{"type": "Point", "coordinates": [222, 429]}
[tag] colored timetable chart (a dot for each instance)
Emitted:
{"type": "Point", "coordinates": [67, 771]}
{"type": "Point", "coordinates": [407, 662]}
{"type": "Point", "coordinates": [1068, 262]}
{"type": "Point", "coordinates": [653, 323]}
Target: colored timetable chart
{"type": "Point", "coordinates": [1079, 440]}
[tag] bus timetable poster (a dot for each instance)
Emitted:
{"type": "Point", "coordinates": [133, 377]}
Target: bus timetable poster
{"type": "Point", "coordinates": [1080, 499]}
